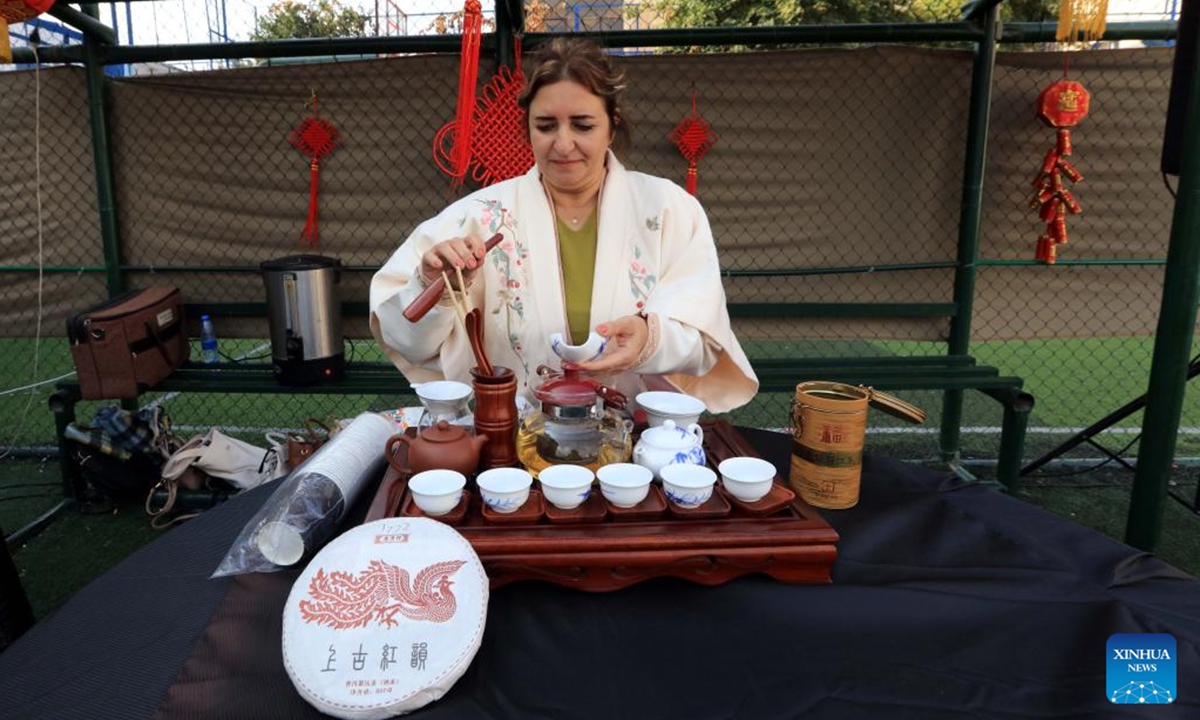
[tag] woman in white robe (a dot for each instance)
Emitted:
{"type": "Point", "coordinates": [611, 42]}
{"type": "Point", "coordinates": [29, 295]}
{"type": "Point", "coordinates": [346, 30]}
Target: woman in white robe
{"type": "Point", "coordinates": [656, 294]}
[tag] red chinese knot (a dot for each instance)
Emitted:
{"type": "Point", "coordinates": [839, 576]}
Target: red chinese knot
{"type": "Point", "coordinates": [1061, 106]}
{"type": "Point", "coordinates": [694, 138]}
{"type": "Point", "coordinates": [316, 137]}
{"type": "Point", "coordinates": [499, 143]}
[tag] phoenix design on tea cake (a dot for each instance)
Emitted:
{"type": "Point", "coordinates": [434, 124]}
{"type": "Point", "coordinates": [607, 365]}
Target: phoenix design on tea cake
{"type": "Point", "coordinates": [343, 600]}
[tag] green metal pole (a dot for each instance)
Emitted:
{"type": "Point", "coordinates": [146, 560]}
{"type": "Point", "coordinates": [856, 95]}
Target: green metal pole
{"type": "Point", "coordinates": [102, 159]}
{"type": "Point", "coordinates": [1172, 341]}
{"type": "Point", "coordinates": [969, 221]}
{"type": "Point", "coordinates": [85, 21]}
{"type": "Point", "coordinates": [510, 21]}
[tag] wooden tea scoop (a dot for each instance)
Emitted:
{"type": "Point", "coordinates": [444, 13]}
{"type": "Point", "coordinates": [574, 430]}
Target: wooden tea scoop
{"type": "Point", "coordinates": [474, 323]}
{"type": "Point", "coordinates": [424, 302]}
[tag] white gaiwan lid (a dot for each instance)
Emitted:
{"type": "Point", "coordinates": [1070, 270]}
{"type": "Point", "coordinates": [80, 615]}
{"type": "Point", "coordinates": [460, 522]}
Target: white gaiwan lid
{"type": "Point", "coordinates": [385, 618]}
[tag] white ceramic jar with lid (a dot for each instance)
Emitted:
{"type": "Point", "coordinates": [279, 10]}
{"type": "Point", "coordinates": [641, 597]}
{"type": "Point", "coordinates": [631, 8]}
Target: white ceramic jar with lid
{"type": "Point", "coordinates": [669, 444]}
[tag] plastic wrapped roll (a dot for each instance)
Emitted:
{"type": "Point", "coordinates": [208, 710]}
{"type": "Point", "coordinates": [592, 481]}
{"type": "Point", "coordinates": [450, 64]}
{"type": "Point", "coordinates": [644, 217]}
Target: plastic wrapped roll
{"type": "Point", "coordinates": [304, 511]}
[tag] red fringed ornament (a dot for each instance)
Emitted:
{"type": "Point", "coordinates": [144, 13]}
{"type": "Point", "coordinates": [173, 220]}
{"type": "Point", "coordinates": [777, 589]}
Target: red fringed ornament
{"type": "Point", "coordinates": [693, 137]}
{"type": "Point", "coordinates": [315, 137]}
{"type": "Point", "coordinates": [1061, 106]}
{"type": "Point", "coordinates": [468, 74]}
{"type": "Point", "coordinates": [499, 144]}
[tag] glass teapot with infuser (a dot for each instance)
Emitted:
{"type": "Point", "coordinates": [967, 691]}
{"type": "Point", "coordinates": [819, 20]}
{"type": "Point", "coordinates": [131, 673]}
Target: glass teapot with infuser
{"type": "Point", "coordinates": [579, 420]}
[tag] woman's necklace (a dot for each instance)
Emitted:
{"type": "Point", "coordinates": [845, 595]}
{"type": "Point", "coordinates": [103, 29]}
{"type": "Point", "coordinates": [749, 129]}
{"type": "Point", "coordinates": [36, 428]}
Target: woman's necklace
{"type": "Point", "coordinates": [574, 216]}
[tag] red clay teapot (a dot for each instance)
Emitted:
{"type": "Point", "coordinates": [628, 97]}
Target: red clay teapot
{"type": "Point", "coordinates": [439, 447]}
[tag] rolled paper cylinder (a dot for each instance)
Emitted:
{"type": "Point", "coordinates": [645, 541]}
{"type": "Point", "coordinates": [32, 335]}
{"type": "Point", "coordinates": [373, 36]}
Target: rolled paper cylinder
{"type": "Point", "coordinates": [1049, 161]}
{"type": "Point", "coordinates": [1064, 141]}
{"type": "Point", "coordinates": [1072, 205]}
{"type": "Point", "coordinates": [1070, 170]}
{"type": "Point", "coordinates": [1050, 209]}
{"type": "Point", "coordinates": [429, 297]}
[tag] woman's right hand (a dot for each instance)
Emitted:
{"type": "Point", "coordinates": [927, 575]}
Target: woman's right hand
{"type": "Point", "coordinates": [464, 253]}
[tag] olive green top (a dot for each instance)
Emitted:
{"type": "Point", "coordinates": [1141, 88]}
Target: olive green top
{"type": "Point", "coordinates": [577, 253]}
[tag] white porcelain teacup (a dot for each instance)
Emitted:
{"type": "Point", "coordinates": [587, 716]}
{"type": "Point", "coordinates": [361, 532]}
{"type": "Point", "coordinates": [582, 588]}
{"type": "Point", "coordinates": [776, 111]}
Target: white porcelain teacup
{"type": "Point", "coordinates": [624, 484]}
{"type": "Point", "coordinates": [437, 492]}
{"type": "Point", "coordinates": [504, 490]}
{"type": "Point", "coordinates": [688, 486]}
{"type": "Point", "coordinates": [589, 349]}
{"type": "Point", "coordinates": [748, 479]}
{"type": "Point", "coordinates": [445, 399]}
{"type": "Point", "coordinates": [662, 406]}
{"type": "Point", "coordinates": [566, 487]}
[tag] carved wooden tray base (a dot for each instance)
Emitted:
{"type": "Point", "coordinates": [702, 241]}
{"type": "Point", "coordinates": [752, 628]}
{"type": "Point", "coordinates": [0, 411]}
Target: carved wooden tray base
{"type": "Point", "coordinates": [792, 544]}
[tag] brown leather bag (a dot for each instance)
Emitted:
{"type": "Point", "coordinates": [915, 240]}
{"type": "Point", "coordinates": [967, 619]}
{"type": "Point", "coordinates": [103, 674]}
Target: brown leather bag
{"type": "Point", "coordinates": [127, 345]}
{"type": "Point", "coordinates": [301, 446]}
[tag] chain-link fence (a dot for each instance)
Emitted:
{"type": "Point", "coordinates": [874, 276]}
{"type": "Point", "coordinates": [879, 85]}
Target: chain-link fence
{"type": "Point", "coordinates": [837, 177]}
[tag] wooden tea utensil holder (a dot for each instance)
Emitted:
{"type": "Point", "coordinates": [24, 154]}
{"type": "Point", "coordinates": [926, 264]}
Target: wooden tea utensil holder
{"type": "Point", "coordinates": [496, 416]}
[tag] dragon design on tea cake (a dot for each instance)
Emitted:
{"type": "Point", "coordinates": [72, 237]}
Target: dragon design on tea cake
{"type": "Point", "coordinates": [344, 600]}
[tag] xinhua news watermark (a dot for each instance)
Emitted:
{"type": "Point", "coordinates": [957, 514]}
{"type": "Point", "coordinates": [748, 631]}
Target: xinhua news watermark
{"type": "Point", "coordinates": [1141, 669]}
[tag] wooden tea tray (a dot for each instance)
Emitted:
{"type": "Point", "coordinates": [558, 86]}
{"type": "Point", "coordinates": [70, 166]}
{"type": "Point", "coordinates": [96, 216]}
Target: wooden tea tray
{"type": "Point", "coordinates": [791, 544]}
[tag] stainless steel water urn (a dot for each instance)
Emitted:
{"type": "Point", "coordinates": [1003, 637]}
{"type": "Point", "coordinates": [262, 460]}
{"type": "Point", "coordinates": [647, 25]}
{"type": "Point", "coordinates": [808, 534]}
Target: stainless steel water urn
{"type": "Point", "coordinates": [305, 316]}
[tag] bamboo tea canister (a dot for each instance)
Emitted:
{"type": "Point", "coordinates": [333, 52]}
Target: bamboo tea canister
{"type": "Point", "coordinates": [830, 421]}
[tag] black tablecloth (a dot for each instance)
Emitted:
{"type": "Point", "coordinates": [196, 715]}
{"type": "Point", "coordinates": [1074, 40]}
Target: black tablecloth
{"type": "Point", "coordinates": [949, 600]}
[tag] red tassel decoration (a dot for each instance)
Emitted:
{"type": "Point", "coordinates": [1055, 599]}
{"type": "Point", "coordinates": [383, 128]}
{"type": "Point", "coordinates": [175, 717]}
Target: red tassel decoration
{"type": "Point", "coordinates": [694, 138]}
{"type": "Point", "coordinates": [468, 74]}
{"type": "Point", "coordinates": [315, 137]}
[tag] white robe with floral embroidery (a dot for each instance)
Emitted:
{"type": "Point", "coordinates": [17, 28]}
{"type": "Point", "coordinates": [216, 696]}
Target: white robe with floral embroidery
{"type": "Point", "coordinates": [654, 254]}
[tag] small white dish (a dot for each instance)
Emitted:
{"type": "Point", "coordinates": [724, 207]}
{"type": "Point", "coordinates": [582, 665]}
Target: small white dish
{"type": "Point", "coordinates": [504, 490]}
{"type": "Point", "coordinates": [688, 486]}
{"type": "Point", "coordinates": [662, 406]}
{"type": "Point", "coordinates": [748, 479]}
{"type": "Point", "coordinates": [437, 492]}
{"type": "Point", "coordinates": [566, 487]}
{"type": "Point", "coordinates": [591, 348]}
{"type": "Point", "coordinates": [624, 484]}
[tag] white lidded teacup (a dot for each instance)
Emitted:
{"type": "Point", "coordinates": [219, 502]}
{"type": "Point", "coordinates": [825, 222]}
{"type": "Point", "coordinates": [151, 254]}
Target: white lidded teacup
{"type": "Point", "coordinates": [566, 487]}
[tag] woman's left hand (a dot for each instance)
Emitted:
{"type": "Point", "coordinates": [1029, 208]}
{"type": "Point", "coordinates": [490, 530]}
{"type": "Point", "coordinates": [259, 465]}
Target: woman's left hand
{"type": "Point", "coordinates": [627, 337]}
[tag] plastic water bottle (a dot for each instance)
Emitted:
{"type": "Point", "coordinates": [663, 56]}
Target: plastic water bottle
{"type": "Point", "coordinates": [208, 341]}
